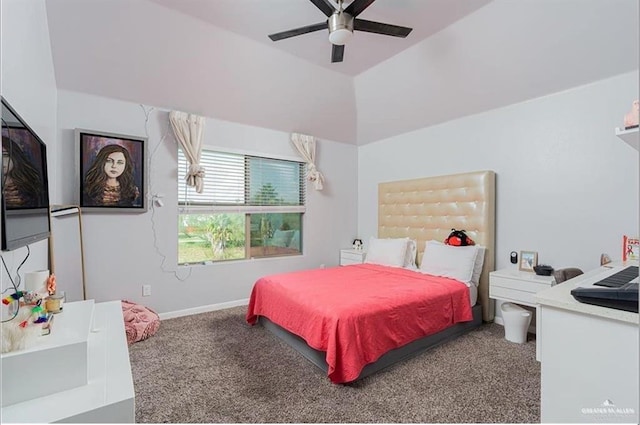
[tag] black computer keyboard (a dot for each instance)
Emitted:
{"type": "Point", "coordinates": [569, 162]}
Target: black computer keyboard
{"type": "Point", "coordinates": [623, 277]}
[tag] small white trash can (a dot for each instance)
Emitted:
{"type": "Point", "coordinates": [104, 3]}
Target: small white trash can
{"type": "Point", "coordinates": [516, 322]}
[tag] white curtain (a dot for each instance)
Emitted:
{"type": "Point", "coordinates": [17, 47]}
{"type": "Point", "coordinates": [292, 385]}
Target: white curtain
{"type": "Point", "coordinates": [306, 147]}
{"type": "Point", "coordinates": [188, 129]}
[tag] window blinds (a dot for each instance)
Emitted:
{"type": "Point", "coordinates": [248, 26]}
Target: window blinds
{"type": "Point", "coordinates": [240, 182]}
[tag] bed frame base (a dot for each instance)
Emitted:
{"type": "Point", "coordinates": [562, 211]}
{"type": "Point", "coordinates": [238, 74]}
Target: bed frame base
{"type": "Point", "coordinates": [396, 355]}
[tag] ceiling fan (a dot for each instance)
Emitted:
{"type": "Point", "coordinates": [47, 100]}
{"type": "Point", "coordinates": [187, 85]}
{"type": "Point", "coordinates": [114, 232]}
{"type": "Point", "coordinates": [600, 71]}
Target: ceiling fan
{"type": "Point", "coordinates": [341, 24]}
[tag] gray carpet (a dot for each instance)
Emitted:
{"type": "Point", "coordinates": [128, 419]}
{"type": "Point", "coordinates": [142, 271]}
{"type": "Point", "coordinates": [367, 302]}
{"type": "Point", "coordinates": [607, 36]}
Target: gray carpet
{"type": "Point", "coordinates": [214, 368]}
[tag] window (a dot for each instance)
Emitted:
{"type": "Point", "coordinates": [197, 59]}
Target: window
{"type": "Point", "coordinates": [250, 207]}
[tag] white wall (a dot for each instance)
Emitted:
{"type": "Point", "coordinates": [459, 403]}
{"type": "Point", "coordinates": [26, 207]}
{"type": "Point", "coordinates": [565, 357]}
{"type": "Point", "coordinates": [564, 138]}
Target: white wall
{"type": "Point", "coordinates": [28, 84]}
{"type": "Point", "coordinates": [503, 53]}
{"type": "Point", "coordinates": [119, 248]}
{"type": "Point", "coordinates": [567, 187]}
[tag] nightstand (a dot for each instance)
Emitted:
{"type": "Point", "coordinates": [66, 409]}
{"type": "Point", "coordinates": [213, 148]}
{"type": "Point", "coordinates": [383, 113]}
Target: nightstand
{"type": "Point", "coordinates": [516, 286]}
{"type": "Point", "coordinates": [352, 256]}
{"type": "Point", "coordinates": [519, 287]}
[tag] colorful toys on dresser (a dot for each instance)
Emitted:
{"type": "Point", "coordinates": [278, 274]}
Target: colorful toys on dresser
{"type": "Point", "coordinates": [30, 316]}
{"type": "Point", "coordinates": [33, 301]}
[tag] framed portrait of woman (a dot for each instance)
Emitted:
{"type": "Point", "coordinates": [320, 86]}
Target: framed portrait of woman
{"type": "Point", "coordinates": [111, 172]}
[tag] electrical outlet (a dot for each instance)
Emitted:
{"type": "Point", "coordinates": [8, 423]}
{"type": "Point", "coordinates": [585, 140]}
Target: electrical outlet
{"type": "Point", "coordinates": [146, 290]}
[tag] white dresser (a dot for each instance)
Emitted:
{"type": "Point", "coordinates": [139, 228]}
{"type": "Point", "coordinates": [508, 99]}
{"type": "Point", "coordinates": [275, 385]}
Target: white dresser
{"type": "Point", "coordinates": [107, 395]}
{"type": "Point", "coordinates": [352, 256]}
{"type": "Point", "coordinates": [589, 356]}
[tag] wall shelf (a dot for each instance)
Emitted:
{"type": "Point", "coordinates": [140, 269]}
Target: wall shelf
{"type": "Point", "coordinates": [631, 136]}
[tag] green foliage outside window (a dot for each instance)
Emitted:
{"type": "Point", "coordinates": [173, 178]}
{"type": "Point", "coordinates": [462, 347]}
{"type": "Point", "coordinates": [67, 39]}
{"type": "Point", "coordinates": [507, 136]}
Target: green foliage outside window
{"type": "Point", "coordinates": [250, 207]}
{"type": "Point", "coordinates": [210, 237]}
{"type": "Point", "coordinates": [222, 236]}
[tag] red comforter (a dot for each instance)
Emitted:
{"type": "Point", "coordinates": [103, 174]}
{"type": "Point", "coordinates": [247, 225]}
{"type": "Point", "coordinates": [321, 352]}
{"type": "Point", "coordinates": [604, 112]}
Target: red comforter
{"type": "Point", "coordinates": [359, 312]}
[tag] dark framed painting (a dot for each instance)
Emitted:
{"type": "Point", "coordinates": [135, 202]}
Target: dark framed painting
{"type": "Point", "coordinates": [111, 172]}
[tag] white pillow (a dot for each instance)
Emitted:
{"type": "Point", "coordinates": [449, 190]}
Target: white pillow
{"type": "Point", "coordinates": [387, 252]}
{"type": "Point", "coordinates": [455, 262]}
{"type": "Point", "coordinates": [412, 251]}
{"type": "Point", "coordinates": [477, 268]}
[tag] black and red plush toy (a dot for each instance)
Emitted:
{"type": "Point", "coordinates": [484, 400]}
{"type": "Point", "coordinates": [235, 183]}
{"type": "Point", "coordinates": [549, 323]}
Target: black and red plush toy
{"type": "Point", "coordinates": [458, 238]}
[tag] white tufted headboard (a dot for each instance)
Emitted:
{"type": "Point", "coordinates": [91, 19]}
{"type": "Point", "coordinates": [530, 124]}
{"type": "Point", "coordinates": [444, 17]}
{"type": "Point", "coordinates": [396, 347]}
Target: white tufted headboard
{"type": "Point", "coordinates": [428, 208]}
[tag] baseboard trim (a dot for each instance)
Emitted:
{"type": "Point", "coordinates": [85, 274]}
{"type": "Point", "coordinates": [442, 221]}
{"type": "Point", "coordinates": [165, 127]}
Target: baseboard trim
{"type": "Point", "coordinates": [203, 309]}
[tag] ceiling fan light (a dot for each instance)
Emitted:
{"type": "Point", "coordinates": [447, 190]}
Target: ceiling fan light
{"type": "Point", "coordinates": [340, 37]}
{"type": "Point", "coordinates": [340, 28]}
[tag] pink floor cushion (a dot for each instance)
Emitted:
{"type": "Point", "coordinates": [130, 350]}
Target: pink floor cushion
{"type": "Point", "coordinates": [140, 322]}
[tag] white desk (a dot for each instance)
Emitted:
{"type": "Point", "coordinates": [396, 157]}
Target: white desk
{"type": "Point", "coordinates": [108, 396]}
{"type": "Point", "coordinates": [589, 357]}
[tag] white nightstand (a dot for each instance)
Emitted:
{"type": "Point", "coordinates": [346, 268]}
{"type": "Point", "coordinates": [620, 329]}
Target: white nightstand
{"type": "Point", "coordinates": [518, 287]}
{"type": "Point", "coordinates": [352, 256]}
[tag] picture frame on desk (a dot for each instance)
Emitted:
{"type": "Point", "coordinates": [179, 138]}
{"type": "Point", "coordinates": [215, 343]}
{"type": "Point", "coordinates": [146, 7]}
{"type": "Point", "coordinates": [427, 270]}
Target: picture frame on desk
{"type": "Point", "coordinates": [630, 248]}
{"type": "Point", "coordinates": [528, 260]}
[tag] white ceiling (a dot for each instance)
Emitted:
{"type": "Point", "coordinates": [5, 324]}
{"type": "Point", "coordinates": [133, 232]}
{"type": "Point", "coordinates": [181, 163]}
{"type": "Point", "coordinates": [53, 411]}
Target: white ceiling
{"type": "Point", "coordinates": [256, 19]}
{"type": "Point", "coordinates": [213, 57]}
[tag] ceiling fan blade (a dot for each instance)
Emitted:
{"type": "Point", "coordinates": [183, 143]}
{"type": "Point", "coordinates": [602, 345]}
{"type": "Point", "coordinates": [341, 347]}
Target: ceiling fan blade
{"type": "Point", "coordinates": [325, 6]}
{"type": "Point", "coordinates": [337, 53]}
{"type": "Point", "coordinates": [380, 28]}
{"type": "Point", "coordinates": [356, 8]}
{"type": "Point", "coordinates": [298, 31]}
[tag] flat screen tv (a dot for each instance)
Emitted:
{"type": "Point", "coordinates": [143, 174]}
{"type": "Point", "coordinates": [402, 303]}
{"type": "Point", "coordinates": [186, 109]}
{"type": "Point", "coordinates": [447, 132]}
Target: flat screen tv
{"type": "Point", "coordinates": [25, 187]}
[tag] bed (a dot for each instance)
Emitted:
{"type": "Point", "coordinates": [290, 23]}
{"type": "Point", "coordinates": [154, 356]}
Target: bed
{"type": "Point", "coordinates": [355, 320]}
